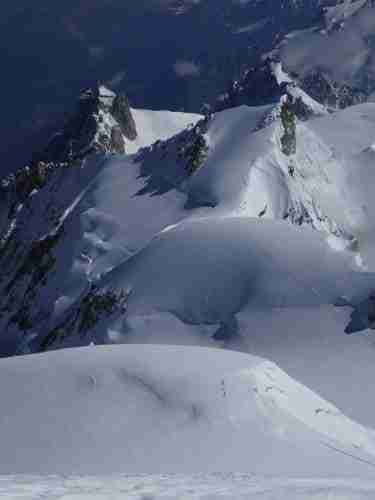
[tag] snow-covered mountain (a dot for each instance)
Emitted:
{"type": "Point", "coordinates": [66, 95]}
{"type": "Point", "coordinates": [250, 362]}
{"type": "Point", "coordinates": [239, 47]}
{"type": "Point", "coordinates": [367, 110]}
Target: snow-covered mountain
{"type": "Point", "coordinates": [72, 230]}
{"type": "Point", "coordinates": [266, 82]}
{"type": "Point", "coordinates": [105, 123]}
{"type": "Point", "coordinates": [332, 60]}
{"type": "Point", "coordinates": [200, 47]}
{"type": "Point", "coordinates": [340, 52]}
{"type": "Point", "coordinates": [37, 201]}
{"type": "Point", "coordinates": [173, 239]}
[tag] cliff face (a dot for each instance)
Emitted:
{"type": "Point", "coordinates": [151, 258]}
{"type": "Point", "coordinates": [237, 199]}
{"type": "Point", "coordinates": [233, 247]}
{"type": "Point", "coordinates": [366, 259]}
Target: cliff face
{"type": "Point", "coordinates": [41, 235]}
{"type": "Point", "coordinates": [333, 94]}
{"type": "Point", "coordinates": [103, 122]}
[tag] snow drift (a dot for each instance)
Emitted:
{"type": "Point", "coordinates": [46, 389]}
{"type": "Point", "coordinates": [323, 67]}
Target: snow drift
{"type": "Point", "coordinates": [169, 409]}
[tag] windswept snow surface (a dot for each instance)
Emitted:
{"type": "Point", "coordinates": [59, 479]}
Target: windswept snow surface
{"type": "Point", "coordinates": [170, 409]}
{"type": "Point", "coordinates": [183, 487]}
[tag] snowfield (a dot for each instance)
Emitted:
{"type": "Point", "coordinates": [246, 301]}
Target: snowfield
{"type": "Point", "coordinates": [257, 286]}
{"type": "Point", "coordinates": [163, 409]}
{"type": "Point", "coordinates": [218, 486]}
{"type": "Point", "coordinates": [158, 126]}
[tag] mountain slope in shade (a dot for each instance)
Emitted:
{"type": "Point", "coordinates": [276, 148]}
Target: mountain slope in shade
{"type": "Point", "coordinates": [36, 208]}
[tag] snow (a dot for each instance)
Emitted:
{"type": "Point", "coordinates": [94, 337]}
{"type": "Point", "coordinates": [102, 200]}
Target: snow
{"type": "Point", "coordinates": [158, 125]}
{"type": "Point", "coordinates": [245, 171]}
{"type": "Point", "coordinates": [213, 263]}
{"type": "Point", "coordinates": [271, 287]}
{"type": "Point", "coordinates": [183, 487]}
{"type": "Point", "coordinates": [193, 270]}
{"type": "Point", "coordinates": [279, 283]}
{"type": "Point", "coordinates": [231, 376]}
{"type": "Point", "coordinates": [106, 410]}
{"type": "Point", "coordinates": [217, 265]}
{"type": "Point", "coordinates": [152, 126]}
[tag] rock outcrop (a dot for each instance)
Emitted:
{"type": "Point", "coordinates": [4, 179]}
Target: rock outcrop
{"type": "Point", "coordinates": [103, 122]}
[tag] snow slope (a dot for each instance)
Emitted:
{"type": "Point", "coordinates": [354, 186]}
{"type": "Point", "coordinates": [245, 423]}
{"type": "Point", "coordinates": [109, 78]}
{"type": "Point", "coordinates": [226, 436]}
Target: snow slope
{"type": "Point", "coordinates": [248, 174]}
{"type": "Point", "coordinates": [216, 266]}
{"type": "Point", "coordinates": [209, 257]}
{"type": "Point", "coordinates": [113, 206]}
{"type": "Point", "coordinates": [262, 287]}
{"type": "Point", "coordinates": [169, 409]}
{"type": "Point", "coordinates": [158, 126]}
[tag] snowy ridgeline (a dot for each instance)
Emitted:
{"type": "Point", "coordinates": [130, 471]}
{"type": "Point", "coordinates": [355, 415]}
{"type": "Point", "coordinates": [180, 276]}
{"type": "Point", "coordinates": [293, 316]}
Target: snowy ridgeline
{"type": "Point", "coordinates": [89, 220]}
{"type": "Point", "coordinates": [106, 410]}
{"type": "Point", "coordinates": [129, 220]}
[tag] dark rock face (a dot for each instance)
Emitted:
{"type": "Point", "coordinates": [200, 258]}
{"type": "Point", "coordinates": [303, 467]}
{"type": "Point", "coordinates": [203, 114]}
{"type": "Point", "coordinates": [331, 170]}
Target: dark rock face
{"type": "Point", "coordinates": [195, 151]}
{"type": "Point", "coordinates": [77, 134]}
{"type": "Point", "coordinates": [288, 121]}
{"type": "Point", "coordinates": [90, 35]}
{"type": "Point", "coordinates": [33, 201]}
{"type": "Point", "coordinates": [99, 124]}
{"type": "Point", "coordinates": [34, 204]}
{"type": "Point", "coordinates": [117, 141]}
{"type": "Point", "coordinates": [93, 306]}
{"type": "Point", "coordinates": [300, 109]}
{"type": "Point", "coordinates": [330, 93]}
{"type": "Point", "coordinates": [122, 113]}
{"type": "Point", "coordinates": [258, 86]}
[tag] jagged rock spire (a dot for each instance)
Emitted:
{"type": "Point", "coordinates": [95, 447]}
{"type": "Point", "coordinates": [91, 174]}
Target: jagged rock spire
{"type": "Point", "coordinates": [102, 122]}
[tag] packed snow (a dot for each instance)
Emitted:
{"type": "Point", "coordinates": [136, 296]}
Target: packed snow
{"type": "Point", "coordinates": [104, 410]}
